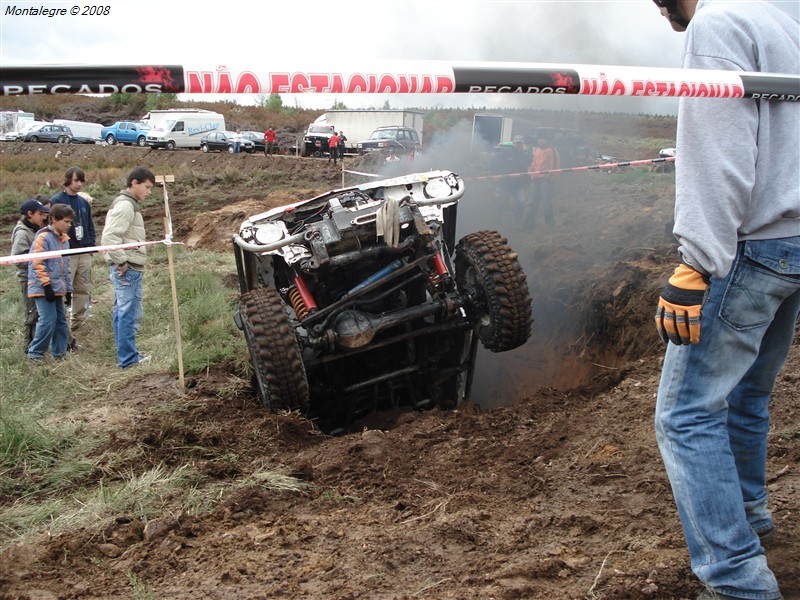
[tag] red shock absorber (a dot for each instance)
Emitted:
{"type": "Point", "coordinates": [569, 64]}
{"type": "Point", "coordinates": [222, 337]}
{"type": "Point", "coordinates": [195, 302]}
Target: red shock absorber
{"type": "Point", "coordinates": [438, 262]}
{"type": "Point", "coordinates": [305, 294]}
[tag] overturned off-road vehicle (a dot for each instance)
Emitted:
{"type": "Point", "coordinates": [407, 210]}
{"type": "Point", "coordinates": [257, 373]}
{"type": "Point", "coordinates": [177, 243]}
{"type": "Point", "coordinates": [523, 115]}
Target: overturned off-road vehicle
{"type": "Point", "coordinates": [359, 300]}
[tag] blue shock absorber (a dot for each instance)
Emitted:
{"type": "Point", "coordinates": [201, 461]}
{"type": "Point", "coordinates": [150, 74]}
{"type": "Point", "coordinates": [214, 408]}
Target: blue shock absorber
{"type": "Point", "coordinates": [390, 268]}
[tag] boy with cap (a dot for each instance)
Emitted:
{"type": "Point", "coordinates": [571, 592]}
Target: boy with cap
{"type": "Point", "coordinates": [34, 216]}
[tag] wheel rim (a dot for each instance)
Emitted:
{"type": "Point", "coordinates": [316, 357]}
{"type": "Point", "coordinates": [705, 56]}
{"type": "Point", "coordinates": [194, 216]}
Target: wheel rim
{"type": "Point", "coordinates": [111, 140]}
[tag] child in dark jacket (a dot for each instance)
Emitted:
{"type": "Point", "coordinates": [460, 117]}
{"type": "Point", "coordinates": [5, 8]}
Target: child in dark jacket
{"type": "Point", "coordinates": [50, 284]}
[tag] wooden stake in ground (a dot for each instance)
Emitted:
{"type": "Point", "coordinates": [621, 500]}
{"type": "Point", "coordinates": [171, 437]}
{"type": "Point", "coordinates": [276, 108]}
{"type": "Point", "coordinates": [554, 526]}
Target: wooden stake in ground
{"type": "Point", "coordinates": [163, 180]}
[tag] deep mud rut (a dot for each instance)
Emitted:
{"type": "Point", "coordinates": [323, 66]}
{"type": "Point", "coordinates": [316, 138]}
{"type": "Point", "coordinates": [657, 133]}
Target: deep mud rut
{"type": "Point", "coordinates": [559, 492]}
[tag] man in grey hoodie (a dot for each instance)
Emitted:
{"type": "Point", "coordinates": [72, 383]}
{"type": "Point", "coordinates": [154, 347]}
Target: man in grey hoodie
{"type": "Point", "coordinates": [125, 225]}
{"type": "Point", "coordinates": [729, 311]}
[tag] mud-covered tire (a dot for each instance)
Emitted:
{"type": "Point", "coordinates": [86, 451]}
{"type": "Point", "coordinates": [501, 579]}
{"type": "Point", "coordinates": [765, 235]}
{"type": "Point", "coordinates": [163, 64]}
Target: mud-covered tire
{"type": "Point", "coordinates": [275, 352]}
{"type": "Point", "coordinates": [490, 272]}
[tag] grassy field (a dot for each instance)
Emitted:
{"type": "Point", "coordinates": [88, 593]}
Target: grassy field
{"type": "Point", "coordinates": [51, 475]}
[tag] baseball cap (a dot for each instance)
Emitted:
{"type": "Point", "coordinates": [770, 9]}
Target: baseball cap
{"type": "Point", "coordinates": [32, 206]}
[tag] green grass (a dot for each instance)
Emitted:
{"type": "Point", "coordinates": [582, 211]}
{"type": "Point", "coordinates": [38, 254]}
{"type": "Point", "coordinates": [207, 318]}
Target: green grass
{"type": "Point", "coordinates": [54, 472]}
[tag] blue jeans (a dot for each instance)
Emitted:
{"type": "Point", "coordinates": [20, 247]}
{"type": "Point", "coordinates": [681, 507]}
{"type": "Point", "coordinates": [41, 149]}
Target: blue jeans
{"type": "Point", "coordinates": [127, 314]}
{"type": "Point", "coordinates": [712, 416]}
{"type": "Point", "coordinates": [52, 330]}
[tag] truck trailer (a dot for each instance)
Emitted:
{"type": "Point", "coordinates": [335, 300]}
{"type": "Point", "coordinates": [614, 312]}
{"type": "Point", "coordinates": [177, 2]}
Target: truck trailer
{"type": "Point", "coordinates": [13, 123]}
{"type": "Point", "coordinates": [83, 132]}
{"type": "Point", "coordinates": [489, 131]}
{"type": "Point", "coordinates": [358, 125]}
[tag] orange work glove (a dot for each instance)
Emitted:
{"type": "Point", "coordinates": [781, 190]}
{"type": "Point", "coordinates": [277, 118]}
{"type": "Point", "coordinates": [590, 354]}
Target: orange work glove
{"type": "Point", "coordinates": [680, 305]}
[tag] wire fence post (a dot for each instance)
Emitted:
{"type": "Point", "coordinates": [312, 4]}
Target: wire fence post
{"type": "Point", "coordinates": [163, 180]}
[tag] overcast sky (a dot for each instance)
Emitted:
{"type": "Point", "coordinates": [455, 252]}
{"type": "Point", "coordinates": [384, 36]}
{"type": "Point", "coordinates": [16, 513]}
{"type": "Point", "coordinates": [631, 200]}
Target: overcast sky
{"type": "Point", "coordinates": [283, 34]}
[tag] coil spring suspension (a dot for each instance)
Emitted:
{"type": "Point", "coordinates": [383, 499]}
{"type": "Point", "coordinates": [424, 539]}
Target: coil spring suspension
{"type": "Point", "coordinates": [297, 302]}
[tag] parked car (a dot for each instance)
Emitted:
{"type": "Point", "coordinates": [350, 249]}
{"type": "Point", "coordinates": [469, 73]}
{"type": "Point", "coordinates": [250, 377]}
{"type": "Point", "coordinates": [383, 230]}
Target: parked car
{"type": "Point", "coordinates": [48, 132]}
{"type": "Point", "coordinates": [219, 141]}
{"type": "Point", "coordinates": [126, 132]}
{"type": "Point", "coordinates": [257, 137]}
{"type": "Point", "coordinates": [402, 139]}
{"type": "Point", "coordinates": [316, 140]}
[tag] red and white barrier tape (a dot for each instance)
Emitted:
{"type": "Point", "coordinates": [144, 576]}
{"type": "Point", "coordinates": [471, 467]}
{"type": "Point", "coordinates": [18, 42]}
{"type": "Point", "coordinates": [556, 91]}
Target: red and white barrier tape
{"type": "Point", "coordinates": [627, 163]}
{"type": "Point", "coordinates": [20, 258]}
{"type": "Point", "coordinates": [400, 77]}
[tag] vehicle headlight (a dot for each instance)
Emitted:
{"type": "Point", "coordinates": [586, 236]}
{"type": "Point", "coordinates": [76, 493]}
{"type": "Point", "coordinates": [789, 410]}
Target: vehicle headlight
{"type": "Point", "coordinates": [437, 188]}
{"type": "Point", "coordinates": [268, 233]}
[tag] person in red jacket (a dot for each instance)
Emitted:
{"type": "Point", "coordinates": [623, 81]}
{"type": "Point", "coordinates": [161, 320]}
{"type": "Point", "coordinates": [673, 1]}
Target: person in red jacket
{"type": "Point", "coordinates": [545, 158]}
{"type": "Point", "coordinates": [269, 139]}
{"type": "Point", "coordinates": [333, 145]}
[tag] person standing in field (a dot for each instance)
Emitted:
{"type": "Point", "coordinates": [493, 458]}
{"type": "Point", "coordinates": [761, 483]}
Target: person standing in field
{"type": "Point", "coordinates": [333, 146]}
{"type": "Point", "coordinates": [729, 311]}
{"type": "Point", "coordinates": [81, 235]}
{"type": "Point", "coordinates": [125, 225]}
{"type": "Point", "coordinates": [269, 141]}
{"type": "Point", "coordinates": [34, 216]}
{"type": "Point", "coordinates": [545, 158]}
{"type": "Point", "coordinates": [50, 286]}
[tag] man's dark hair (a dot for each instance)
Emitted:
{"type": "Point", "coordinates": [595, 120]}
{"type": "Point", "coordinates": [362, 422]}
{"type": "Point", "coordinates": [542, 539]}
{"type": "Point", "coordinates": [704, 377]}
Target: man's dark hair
{"type": "Point", "coordinates": [77, 172]}
{"type": "Point", "coordinates": [43, 199]}
{"type": "Point", "coordinates": [141, 174]}
{"type": "Point", "coordinates": [59, 212]}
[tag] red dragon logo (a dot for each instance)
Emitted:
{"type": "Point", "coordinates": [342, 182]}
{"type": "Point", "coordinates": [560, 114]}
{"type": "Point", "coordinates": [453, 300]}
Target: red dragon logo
{"type": "Point", "coordinates": [565, 80]}
{"type": "Point", "coordinates": [162, 75]}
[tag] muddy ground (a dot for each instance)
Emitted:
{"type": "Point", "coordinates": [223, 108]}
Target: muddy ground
{"type": "Point", "coordinates": [548, 485]}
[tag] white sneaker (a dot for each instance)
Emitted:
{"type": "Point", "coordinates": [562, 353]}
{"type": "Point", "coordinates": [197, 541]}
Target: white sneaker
{"type": "Point", "coordinates": [143, 359]}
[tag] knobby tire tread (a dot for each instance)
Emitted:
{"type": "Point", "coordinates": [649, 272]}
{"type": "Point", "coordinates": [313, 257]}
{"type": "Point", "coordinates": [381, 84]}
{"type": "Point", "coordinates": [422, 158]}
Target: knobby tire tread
{"type": "Point", "coordinates": [508, 301]}
{"type": "Point", "coordinates": [274, 351]}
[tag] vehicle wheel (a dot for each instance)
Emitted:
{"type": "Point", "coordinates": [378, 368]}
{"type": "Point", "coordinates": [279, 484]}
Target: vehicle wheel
{"type": "Point", "coordinates": [34, 139]}
{"type": "Point", "coordinates": [489, 273]}
{"type": "Point", "coordinates": [141, 141]}
{"type": "Point", "coordinates": [204, 148]}
{"type": "Point", "coordinates": [62, 139]}
{"type": "Point", "coordinates": [170, 145]}
{"type": "Point", "coordinates": [317, 153]}
{"type": "Point", "coordinates": [110, 139]}
{"type": "Point", "coordinates": [274, 351]}
{"type": "Point", "coordinates": [230, 149]}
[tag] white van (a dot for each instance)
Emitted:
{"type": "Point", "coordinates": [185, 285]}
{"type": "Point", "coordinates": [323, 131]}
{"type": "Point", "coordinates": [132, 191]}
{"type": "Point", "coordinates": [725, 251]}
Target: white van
{"type": "Point", "coordinates": [184, 129]}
